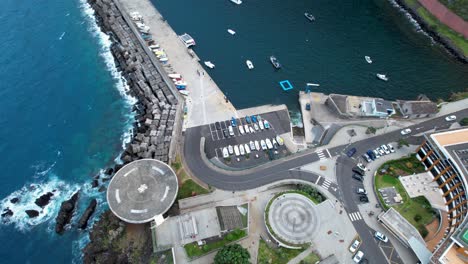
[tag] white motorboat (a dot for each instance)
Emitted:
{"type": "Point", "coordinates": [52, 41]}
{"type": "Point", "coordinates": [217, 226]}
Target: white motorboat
{"type": "Point", "coordinates": [230, 31]}
{"type": "Point", "coordinates": [163, 59]}
{"type": "Point", "coordinates": [242, 150]}
{"type": "Point", "coordinates": [249, 64]}
{"type": "Point", "coordinates": [247, 149]}
{"type": "Point", "coordinates": [241, 130]}
{"type": "Point", "coordinates": [209, 64]}
{"type": "Point", "coordinates": [251, 130]}
{"type": "Point", "coordinates": [135, 16]}
{"type": "Point", "coordinates": [174, 76]}
{"type": "Point", "coordinates": [246, 128]}
{"type": "Point", "coordinates": [382, 77]}
{"type": "Point", "coordinates": [255, 126]}
{"type": "Point", "coordinates": [279, 140]}
{"type": "Point", "coordinates": [231, 150]}
{"type": "Point", "coordinates": [225, 153]}
{"type": "Point", "coordinates": [368, 59]}
{"type": "Point", "coordinates": [236, 150]}
{"type": "Point", "coordinates": [187, 40]}
{"type": "Point", "coordinates": [268, 143]}
{"type": "Point", "coordinates": [252, 145]}
{"type": "Point", "coordinates": [184, 92]}
{"type": "Point", "coordinates": [309, 16]}
{"type": "Point", "coordinates": [313, 84]}
{"type": "Point", "coordinates": [260, 123]}
{"type": "Point", "coordinates": [257, 145]}
{"type": "Point", "coordinates": [263, 144]}
{"type": "Point", "coordinates": [237, 2]}
{"type": "Point", "coordinates": [274, 142]}
{"type": "Point", "coordinates": [154, 47]}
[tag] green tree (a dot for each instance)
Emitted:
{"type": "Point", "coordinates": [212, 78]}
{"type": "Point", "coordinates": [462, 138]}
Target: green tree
{"type": "Point", "coordinates": [232, 254]}
{"type": "Point", "coordinates": [402, 142]}
{"type": "Point", "coordinates": [371, 130]}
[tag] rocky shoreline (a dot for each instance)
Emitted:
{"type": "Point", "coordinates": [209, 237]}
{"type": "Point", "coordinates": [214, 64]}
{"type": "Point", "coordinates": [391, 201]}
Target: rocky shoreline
{"type": "Point", "coordinates": [445, 42]}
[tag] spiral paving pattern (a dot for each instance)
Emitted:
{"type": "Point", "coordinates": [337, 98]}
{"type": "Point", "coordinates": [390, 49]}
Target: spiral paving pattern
{"type": "Point", "coordinates": [293, 218]}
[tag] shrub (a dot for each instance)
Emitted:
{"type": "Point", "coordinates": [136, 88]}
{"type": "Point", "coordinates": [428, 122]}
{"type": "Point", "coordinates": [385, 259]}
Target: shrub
{"type": "Point", "coordinates": [464, 121]}
{"type": "Point", "coordinates": [417, 218]}
{"type": "Point", "coordinates": [371, 130]}
{"type": "Point", "coordinates": [231, 254]}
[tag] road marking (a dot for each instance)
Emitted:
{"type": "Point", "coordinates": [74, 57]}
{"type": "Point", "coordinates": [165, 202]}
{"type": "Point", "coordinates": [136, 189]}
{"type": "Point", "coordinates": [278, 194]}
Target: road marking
{"type": "Point", "coordinates": [216, 150]}
{"type": "Point", "coordinates": [326, 184]}
{"type": "Point", "coordinates": [321, 154]}
{"type": "Point", "coordinates": [355, 216]}
{"type": "Point", "coordinates": [316, 182]}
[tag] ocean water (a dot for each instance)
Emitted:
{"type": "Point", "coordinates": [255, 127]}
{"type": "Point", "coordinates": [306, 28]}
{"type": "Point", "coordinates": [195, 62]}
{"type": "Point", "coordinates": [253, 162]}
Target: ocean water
{"type": "Point", "coordinates": [64, 115]}
{"type": "Point", "coordinates": [63, 118]}
{"type": "Point", "coordinates": [329, 51]}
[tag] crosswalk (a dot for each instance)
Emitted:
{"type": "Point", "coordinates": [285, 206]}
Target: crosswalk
{"type": "Point", "coordinates": [355, 216]}
{"type": "Point", "coordinates": [323, 154]}
{"type": "Point", "coordinates": [326, 184]}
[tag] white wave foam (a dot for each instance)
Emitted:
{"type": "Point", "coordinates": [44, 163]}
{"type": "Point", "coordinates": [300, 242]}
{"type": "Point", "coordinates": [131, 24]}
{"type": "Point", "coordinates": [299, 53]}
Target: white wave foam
{"type": "Point", "coordinates": [27, 196]}
{"type": "Point", "coordinates": [121, 83]}
{"type": "Point", "coordinates": [411, 19]}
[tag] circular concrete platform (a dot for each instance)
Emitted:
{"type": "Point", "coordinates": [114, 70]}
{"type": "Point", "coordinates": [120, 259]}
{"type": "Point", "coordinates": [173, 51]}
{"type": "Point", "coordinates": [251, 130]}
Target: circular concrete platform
{"type": "Point", "coordinates": [142, 190]}
{"type": "Point", "coordinates": [293, 219]}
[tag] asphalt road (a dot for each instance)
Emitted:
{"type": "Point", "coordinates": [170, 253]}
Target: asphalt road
{"type": "Point", "coordinates": [287, 169]}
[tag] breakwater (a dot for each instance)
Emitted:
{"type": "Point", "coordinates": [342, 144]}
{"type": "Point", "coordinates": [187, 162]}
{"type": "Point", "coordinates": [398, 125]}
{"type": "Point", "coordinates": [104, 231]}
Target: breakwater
{"type": "Point", "coordinates": [159, 105]}
{"type": "Point", "coordinates": [442, 40]}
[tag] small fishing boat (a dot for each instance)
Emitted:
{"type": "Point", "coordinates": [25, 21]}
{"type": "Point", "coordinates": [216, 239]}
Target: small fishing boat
{"type": "Point", "coordinates": [225, 153]}
{"type": "Point", "coordinates": [268, 143]}
{"type": "Point", "coordinates": [236, 150]}
{"type": "Point", "coordinates": [184, 92]}
{"type": "Point", "coordinates": [274, 61]}
{"type": "Point", "coordinates": [187, 40]}
{"type": "Point", "coordinates": [249, 64]}
{"type": "Point", "coordinates": [368, 59]}
{"type": "Point", "coordinates": [313, 84]}
{"type": "Point", "coordinates": [135, 16]}
{"type": "Point", "coordinates": [309, 16]}
{"type": "Point", "coordinates": [247, 149]}
{"type": "Point", "coordinates": [209, 64]}
{"type": "Point", "coordinates": [181, 85]}
{"type": "Point", "coordinates": [154, 46]}
{"type": "Point", "coordinates": [174, 76]}
{"type": "Point", "coordinates": [237, 2]}
{"type": "Point", "coordinates": [242, 150]}
{"type": "Point", "coordinates": [279, 140]}
{"type": "Point", "coordinates": [252, 145]}
{"type": "Point", "coordinates": [232, 32]}
{"type": "Point", "coordinates": [263, 144]}
{"type": "Point", "coordinates": [382, 77]}
{"type": "Point", "coordinates": [163, 59]}
{"type": "Point", "coordinates": [257, 145]}
{"type": "Point", "coordinates": [231, 150]}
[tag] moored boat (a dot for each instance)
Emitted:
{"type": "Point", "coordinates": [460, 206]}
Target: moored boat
{"type": "Point", "coordinates": [313, 84]}
{"type": "Point", "coordinates": [382, 77]}
{"type": "Point", "coordinates": [181, 85]}
{"type": "Point", "coordinates": [209, 64]}
{"type": "Point", "coordinates": [187, 40]}
{"type": "Point", "coordinates": [184, 92]}
{"type": "Point", "coordinates": [368, 59]}
{"type": "Point", "coordinates": [249, 64]}
{"type": "Point", "coordinates": [174, 76]}
{"type": "Point", "coordinates": [310, 17]}
{"type": "Point", "coordinates": [232, 32]}
{"type": "Point", "coordinates": [237, 2]}
{"type": "Point", "coordinates": [274, 61]}
{"type": "Point", "coordinates": [257, 145]}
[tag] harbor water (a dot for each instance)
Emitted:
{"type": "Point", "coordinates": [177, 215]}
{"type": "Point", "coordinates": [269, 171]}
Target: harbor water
{"type": "Point", "coordinates": [64, 114]}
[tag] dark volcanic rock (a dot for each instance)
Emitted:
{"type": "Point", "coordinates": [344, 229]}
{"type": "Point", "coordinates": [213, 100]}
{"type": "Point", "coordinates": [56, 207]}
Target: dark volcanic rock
{"type": "Point", "coordinates": [95, 183]}
{"type": "Point", "coordinates": [7, 212]}
{"type": "Point", "coordinates": [44, 199]}
{"type": "Point", "coordinates": [102, 189]}
{"type": "Point", "coordinates": [14, 200]}
{"type": "Point", "coordinates": [83, 222]}
{"type": "Point", "coordinates": [65, 214]}
{"type": "Point", "coordinates": [32, 213]}
{"type": "Point", "coordinates": [109, 171]}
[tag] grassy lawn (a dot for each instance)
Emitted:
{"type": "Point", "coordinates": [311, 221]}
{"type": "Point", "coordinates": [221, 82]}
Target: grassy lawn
{"type": "Point", "coordinates": [190, 188]}
{"type": "Point", "coordinates": [417, 210]}
{"type": "Point", "coordinates": [312, 258]}
{"type": "Point", "coordinates": [457, 39]}
{"type": "Point", "coordinates": [459, 7]}
{"type": "Point", "coordinates": [279, 255]}
{"type": "Point", "coordinates": [193, 250]}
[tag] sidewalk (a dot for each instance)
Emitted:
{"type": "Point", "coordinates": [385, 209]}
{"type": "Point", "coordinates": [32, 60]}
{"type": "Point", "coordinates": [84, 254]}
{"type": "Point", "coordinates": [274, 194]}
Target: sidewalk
{"type": "Point", "coordinates": [451, 107]}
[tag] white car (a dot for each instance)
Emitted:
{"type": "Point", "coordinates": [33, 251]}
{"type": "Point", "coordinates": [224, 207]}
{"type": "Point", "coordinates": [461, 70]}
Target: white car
{"type": "Point", "coordinates": [225, 153]}
{"type": "Point", "coordinates": [231, 131]}
{"type": "Point", "coordinates": [380, 151]}
{"type": "Point", "coordinates": [361, 166]}
{"type": "Point", "coordinates": [358, 257]}
{"type": "Point", "coordinates": [385, 149]}
{"type": "Point", "coordinates": [450, 118]}
{"type": "Point", "coordinates": [405, 131]}
{"type": "Point", "coordinates": [241, 130]}
{"type": "Point", "coordinates": [381, 236]}
{"type": "Point", "coordinates": [247, 149]}
{"type": "Point", "coordinates": [354, 246]}
{"type": "Point", "coordinates": [246, 127]}
{"type": "Point", "coordinates": [390, 147]}
{"type": "Point", "coordinates": [361, 191]}
{"type": "Point", "coordinates": [376, 153]}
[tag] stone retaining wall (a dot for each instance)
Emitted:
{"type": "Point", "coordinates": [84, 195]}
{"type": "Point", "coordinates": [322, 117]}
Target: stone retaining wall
{"type": "Point", "coordinates": [158, 111]}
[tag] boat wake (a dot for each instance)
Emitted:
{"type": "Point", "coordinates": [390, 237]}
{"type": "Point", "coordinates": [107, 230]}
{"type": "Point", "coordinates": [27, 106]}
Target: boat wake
{"type": "Point", "coordinates": [61, 36]}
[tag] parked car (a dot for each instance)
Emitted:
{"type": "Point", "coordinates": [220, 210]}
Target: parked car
{"type": "Point", "coordinates": [381, 152]}
{"type": "Point", "coordinates": [358, 171]}
{"type": "Point", "coordinates": [218, 126]}
{"type": "Point", "coordinates": [307, 107]}
{"type": "Point", "coordinates": [366, 158]}
{"type": "Point", "coordinates": [358, 257]}
{"type": "Point", "coordinates": [405, 131]}
{"type": "Point", "coordinates": [233, 122]}
{"type": "Point", "coordinates": [231, 131]}
{"type": "Point", "coordinates": [376, 153]}
{"type": "Point", "coordinates": [351, 152]}
{"type": "Point", "coordinates": [361, 191]}
{"type": "Point", "coordinates": [357, 177]}
{"type": "Point", "coordinates": [354, 246]}
{"type": "Point", "coordinates": [390, 147]}
{"type": "Point", "coordinates": [247, 119]}
{"type": "Point", "coordinates": [225, 133]}
{"type": "Point", "coordinates": [450, 118]}
{"type": "Point", "coordinates": [361, 166]}
{"type": "Point", "coordinates": [254, 119]}
{"type": "Point", "coordinates": [371, 154]}
{"type": "Point", "coordinates": [385, 149]}
{"type": "Point", "coordinates": [363, 198]}
{"type": "Point", "coordinates": [381, 236]}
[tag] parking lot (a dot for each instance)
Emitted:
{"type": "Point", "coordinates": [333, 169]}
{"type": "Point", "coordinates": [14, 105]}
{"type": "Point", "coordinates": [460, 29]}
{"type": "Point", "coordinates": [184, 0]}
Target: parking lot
{"type": "Point", "coordinates": [217, 137]}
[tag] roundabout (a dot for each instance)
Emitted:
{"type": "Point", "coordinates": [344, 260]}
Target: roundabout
{"type": "Point", "coordinates": [292, 219]}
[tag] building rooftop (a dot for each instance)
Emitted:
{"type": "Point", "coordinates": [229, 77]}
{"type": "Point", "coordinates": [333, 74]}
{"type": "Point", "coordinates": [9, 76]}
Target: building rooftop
{"type": "Point", "coordinates": [142, 190]}
{"type": "Point", "coordinates": [383, 106]}
{"type": "Point", "coordinates": [417, 107]}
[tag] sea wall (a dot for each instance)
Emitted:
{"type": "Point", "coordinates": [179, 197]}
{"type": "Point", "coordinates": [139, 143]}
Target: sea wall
{"type": "Point", "coordinates": [444, 41]}
{"type": "Point", "coordinates": [159, 106]}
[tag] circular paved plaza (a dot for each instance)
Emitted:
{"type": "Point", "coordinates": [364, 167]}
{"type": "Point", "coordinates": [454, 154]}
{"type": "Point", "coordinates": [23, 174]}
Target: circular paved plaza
{"type": "Point", "coordinates": [142, 190]}
{"type": "Point", "coordinates": [292, 218]}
